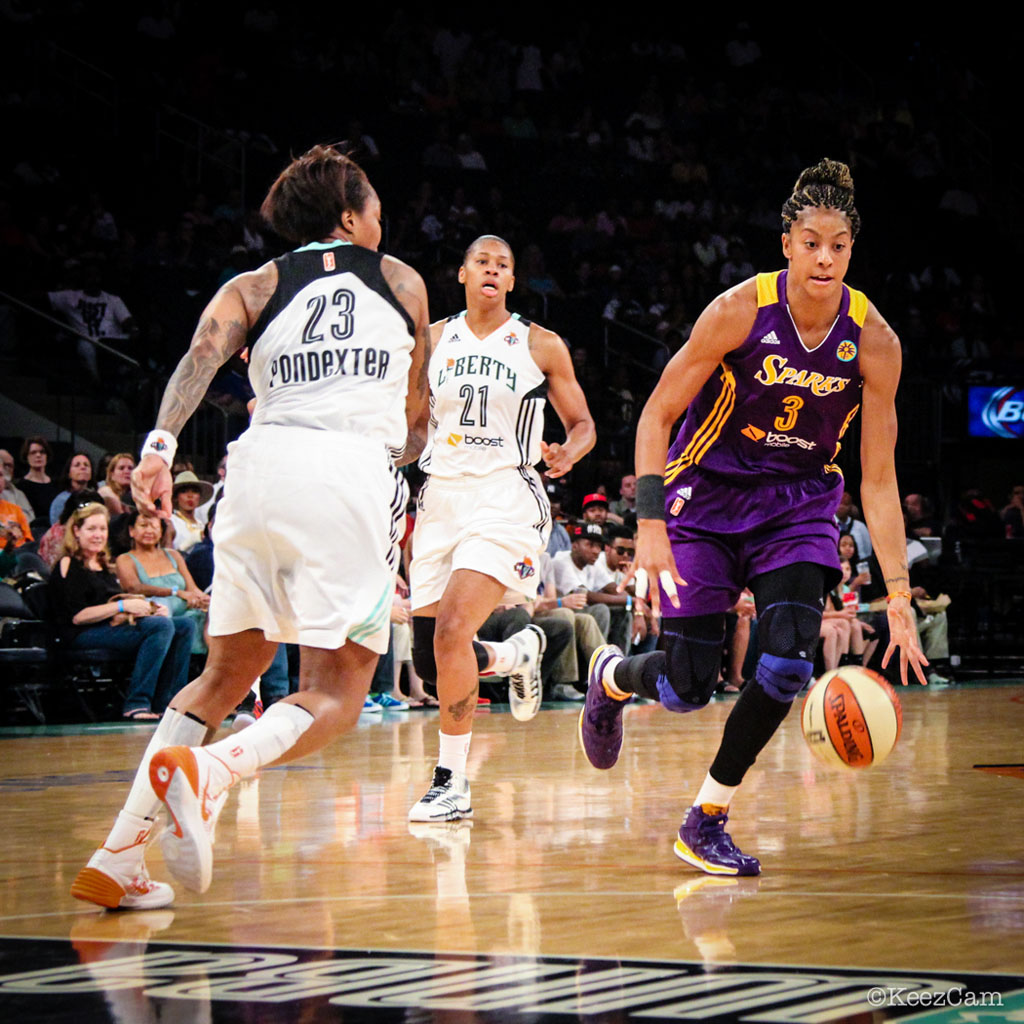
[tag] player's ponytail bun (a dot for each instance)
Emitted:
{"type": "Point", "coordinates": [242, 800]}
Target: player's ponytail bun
{"type": "Point", "coordinates": [828, 183]}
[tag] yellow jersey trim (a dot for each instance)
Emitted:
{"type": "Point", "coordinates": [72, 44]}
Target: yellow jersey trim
{"type": "Point", "coordinates": [709, 431]}
{"type": "Point", "coordinates": [858, 306]}
{"type": "Point", "coordinates": [768, 288]}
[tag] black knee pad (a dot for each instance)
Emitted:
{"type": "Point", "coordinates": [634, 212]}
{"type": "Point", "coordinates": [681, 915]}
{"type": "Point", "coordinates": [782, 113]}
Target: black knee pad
{"type": "Point", "coordinates": [423, 647]}
{"type": "Point", "coordinates": [693, 661]}
{"type": "Point", "coordinates": [789, 633]}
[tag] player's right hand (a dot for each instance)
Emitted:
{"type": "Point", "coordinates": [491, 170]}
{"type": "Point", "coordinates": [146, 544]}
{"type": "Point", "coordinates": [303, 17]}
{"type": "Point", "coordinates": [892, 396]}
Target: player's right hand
{"type": "Point", "coordinates": [654, 559]}
{"type": "Point", "coordinates": [151, 482]}
{"type": "Point", "coordinates": [903, 636]}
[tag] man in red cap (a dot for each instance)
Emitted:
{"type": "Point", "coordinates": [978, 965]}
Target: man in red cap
{"type": "Point", "coordinates": [595, 509]}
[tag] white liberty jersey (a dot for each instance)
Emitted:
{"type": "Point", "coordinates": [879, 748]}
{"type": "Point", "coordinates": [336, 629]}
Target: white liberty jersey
{"type": "Point", "coordinates": [487, 399]}
{"type": "Point", "coordinates": [332, 348]}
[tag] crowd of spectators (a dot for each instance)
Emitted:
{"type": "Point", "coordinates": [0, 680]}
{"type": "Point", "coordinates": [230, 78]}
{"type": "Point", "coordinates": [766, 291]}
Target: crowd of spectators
{"type": "Point", "coordinates": [628, 171]}
{"type": "Point", "coordinates": [628, 209]}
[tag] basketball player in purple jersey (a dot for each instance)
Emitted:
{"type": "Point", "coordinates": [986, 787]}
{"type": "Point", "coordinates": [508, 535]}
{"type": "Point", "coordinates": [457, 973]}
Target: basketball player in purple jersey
{"type": "Point", "coordinates": [774, 372]}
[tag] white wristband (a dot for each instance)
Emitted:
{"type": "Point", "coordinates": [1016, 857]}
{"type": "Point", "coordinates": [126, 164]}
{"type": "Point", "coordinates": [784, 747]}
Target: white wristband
{"type": "Point", "coordinates": [162, 443]}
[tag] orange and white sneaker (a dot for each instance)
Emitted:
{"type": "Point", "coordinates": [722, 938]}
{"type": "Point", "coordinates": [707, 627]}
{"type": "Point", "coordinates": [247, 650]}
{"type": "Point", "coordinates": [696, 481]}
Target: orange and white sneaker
{"type": "Point", "coordinates": [181, 778]}
{"type": "Point", "coordinates": [118, 879]}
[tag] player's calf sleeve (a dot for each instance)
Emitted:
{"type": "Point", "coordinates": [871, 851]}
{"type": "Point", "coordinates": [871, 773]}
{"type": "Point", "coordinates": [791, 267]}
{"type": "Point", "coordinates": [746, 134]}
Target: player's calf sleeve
{"type": "Point", "coordinates": [423, 660]}
{"type": "Point", "coordinates": [751, 724]}
{"type": "Point", "coordinates": [270, 736]}
{"type": "Point", "coordinates": [174, 729]}
{"type": "Point", "coordinates": [640, 674]}
{"type": "Point", "coordinates": [684, 675]}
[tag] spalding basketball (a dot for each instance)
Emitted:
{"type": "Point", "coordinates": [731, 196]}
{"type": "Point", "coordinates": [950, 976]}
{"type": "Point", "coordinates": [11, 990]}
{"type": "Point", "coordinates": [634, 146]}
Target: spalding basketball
{"type": "Point", "coordinates": [852, 717]}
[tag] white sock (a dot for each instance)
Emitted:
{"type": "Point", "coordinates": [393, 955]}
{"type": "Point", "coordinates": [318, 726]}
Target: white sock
{"type": "Point", "coordinates": [505, 654]}
{"type": "Point", "coordinates": [174, 730]}
{"type": "Point", "coordinates": [608, 678]}
{"type": "Point", "coordinates": [715, 793]}
{"type": "Point", "coordinates": [243, 754]}
{"type": "Point", "coordinates": [453, 752]}
{"type": "Point", "coordinates": [129, 830]}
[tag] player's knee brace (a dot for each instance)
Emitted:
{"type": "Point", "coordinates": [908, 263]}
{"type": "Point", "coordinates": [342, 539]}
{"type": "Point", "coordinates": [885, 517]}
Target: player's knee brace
{"type": "Point", "coordinates": [692, 666]}
{"type": "Point", "coordinates": [788, 632]}
{"type": "Point", "coordinates": [423, 647]}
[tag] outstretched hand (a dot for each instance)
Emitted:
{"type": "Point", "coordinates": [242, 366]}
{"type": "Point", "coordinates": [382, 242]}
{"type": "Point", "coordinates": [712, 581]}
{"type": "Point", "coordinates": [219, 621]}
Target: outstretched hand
{"type": "Point", "coordinates": [653, 563]}
{"type": "Point", "coordinates": [903, 634]}
{"type": "Point", "coordinates": [556, 458]}
{"type": "Point", "coordinates": [151, 483]}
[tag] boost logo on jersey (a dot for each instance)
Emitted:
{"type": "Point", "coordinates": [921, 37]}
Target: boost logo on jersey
{"type": "Point", "coordinates": [475, 440]}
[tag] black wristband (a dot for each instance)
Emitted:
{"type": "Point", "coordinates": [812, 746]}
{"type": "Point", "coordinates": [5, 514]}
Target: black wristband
{"type": "Point", "coordinates": [650, 497]}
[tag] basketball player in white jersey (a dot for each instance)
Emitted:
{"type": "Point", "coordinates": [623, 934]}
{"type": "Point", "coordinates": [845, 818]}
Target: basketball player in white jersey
{"type": "Point", "coordinates": [484, 518]}
{"type": "Point", "coordinates": [307, 531]}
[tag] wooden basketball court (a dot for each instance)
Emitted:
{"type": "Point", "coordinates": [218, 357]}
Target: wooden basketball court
{"type": "Point", "coordinates": [561, 899]}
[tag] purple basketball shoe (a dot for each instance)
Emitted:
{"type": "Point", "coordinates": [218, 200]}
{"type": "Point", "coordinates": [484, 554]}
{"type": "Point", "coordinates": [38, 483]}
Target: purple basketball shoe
{"type": "Point", "coordinates": [600, 727]}
{"type": "Point", "coordinates": [704, 843]}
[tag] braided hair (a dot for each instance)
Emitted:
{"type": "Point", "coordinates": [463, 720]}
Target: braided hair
{"type": "Point", "coordinates": [828, 183]}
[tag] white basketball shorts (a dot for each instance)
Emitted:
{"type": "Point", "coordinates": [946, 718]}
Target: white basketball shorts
{"type": "Point", "coordinates": [306, 539]}
{"type": "Point", "coordinates": [496, 524]}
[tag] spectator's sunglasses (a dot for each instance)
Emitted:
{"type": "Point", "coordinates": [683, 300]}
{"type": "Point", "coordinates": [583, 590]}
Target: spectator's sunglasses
{"type": "Point", "coordinates": [624, 552]}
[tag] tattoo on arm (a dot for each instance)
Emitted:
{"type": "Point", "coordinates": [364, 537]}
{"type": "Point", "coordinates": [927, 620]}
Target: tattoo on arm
{"type": "Point", "coordinates": [211, 346]}
{"type": "Point", "coordinates": [423, 379]}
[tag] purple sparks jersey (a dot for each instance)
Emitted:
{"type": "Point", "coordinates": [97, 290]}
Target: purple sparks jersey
{"type": "Point", "coordinates": [775, 410]}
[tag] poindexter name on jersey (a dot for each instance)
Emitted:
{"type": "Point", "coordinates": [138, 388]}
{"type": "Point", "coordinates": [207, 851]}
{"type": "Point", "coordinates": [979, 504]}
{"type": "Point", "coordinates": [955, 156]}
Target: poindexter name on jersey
{"type": "Point", "coordinates": [312, 365]}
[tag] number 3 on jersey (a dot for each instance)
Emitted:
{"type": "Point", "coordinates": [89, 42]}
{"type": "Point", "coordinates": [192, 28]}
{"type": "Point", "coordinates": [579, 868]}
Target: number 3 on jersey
{"type": "Point", "coordinates": [792, 404]}
{"type": "Point", "coordinates": [343, 306]}
{"type": "Point", "coordinates": [466, 394]}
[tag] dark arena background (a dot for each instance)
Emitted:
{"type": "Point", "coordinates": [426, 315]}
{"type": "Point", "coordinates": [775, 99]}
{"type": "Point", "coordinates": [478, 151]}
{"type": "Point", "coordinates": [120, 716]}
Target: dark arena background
{"type": "Point", "coordinates": [637, 161]}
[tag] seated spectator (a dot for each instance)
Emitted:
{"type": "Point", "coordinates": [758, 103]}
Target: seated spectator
{"type": "Point", "coordinates": [565, 675]}
{"type": "Point", "coordinates": [559, 539]}
{"type": "Point", "coordinates": [932, 622]}
{"type": "Point", "coordinates": [38, 487]}
{"type": "Point", "coordinates": [847, 516]}
{"type": "Point", "coordinates": [14, 528]}
{"type": "Point", "coordinates": [203, 512]}
{"type": "Point", "coordinates": [1012, 514]}
{"type": "Point", "coordinates": [160, 573]}
{"type": "Point", "coordinates": [8, 490]}
{"type": "Point", "coordinates": [630, 617]}
{"type": "Point", "coordinates": [834, 632]}
{"type": "Point", "coordinates": [511, 615]}
{"type": "Point", "coordinates": [92, 314]}
{"type": "Point", "coordinates": [401, 642]}
{"type": "Point", "coordinates": [572, 571]}
{"type": "Point", "coordinates": [975, 518]}
{"type": "Point", "coordinates": [51, 545]}
{"type": "Point", "coordinates": [189, 492]}
{"type": "Point", "coordinates": [739, 627]}
{"type": "Point", "coordinates": [921, 520]}
{"type": "Point", "coordinates": [92, 613]}
{"type": "Point", "coordinates": [595, 509]}
{"type": "Point", "coordinates": [116, 490]}
{"type": "Point", "coordinates": [626, 504]}
{"type": "Point", "coordinates": [848, 595]}
{"type": "Point", "coordinates": [77, 476]}
{"type": "Point", "coordinates": [199, 557]}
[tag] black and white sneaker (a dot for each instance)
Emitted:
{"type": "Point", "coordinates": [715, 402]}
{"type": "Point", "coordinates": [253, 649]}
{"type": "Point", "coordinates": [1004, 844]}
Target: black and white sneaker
{"type": "Point", "coordinates": [524, 682]}
{"type": "Point", "coordinates": [446, 800]}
